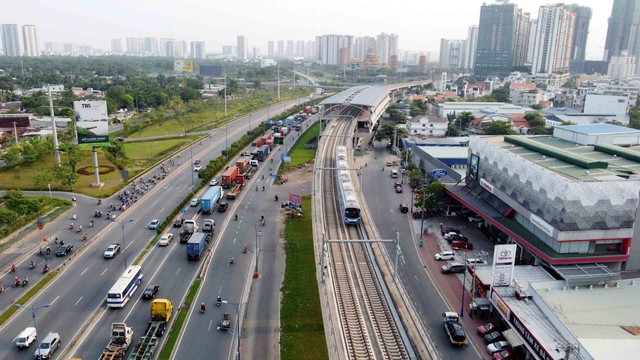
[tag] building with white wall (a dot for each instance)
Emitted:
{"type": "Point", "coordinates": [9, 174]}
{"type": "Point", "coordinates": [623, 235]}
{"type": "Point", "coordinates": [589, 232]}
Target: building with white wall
{"type": "Point", "coordinates": [622, 66]}
{"type": "Point", "coordinates": [553, 40]}
{"type": "Point", "coordinates": [242, 47]}
{"type": "Point", "coordinates": [524, 94]}
{"type": "Point", "coordinates": [471, 45]}
{"type": "Point", "coordinates": [11, 40]}
{"type": "Point", "coordinates": [30, 41]}
{"type": "Point", "coordinates": [479, 108]}
{"type": "Point", "coordinates": [198, 50]}
{"type": "Point", "coordinates": [328, 48]}
{"type": "Point", "coordinates": [427, 126]}
{"type": "Point", "coordinates": [452, 53]}
{"type": "Point", "coordinates": [608, 103]}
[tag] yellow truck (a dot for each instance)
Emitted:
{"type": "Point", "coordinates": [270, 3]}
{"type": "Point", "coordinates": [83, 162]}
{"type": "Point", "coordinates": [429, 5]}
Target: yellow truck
{"type": "Point", "coordinates": [161, 310]}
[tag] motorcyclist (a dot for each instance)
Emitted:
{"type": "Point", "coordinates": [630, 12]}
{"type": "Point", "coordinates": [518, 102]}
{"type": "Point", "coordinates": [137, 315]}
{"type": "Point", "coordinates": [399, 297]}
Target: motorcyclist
{"type": "Point", "coordinates": [32, 264]}
{"type": "Point", "coordinates": [13, 268]}
{"type": "Point", "coordinates": [99, 201]}
{"type": "Point", "coordinates": [70, 225]}
{"type": "Point", "coordinates": [25, 281]}
{"type": "Point", "coordinates": [218, 300]}
{"type": "Point", "coordinates": [61, 242]}
{"type": "Point", "coordinates": [16, 281]}
{"type": "Point", "coordinates": [91, 223]}
{"type": "Point", "coordinates": [46, 268]}
{"type": "Point", "coordinates": [231, 260]}
{"type": "Point", "coordinates": [84, 237]}
{"type": "Point", "coordinates": [236, 217]}
{"type": "Point", "coordinates": [262, 187]}
{"type": "Point", "coordinates": [202, 307]}
{"type": "Point", "coordinates": [245, 249]}
{"type": "Point", "coordinates": [276, 197]}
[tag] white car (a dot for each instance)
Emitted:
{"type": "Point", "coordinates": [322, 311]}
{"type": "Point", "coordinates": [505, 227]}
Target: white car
{"type": "Point", "coordinates": [197, 168]}
{"type": "Point", "coordinates": [194, 202]}
{"type": "Point", "coordinates": [474, 261]}
{"type": "Point", "coordinates": [165, 239]}
{"type": "Point", "coordinates": [497, 346]}
{"type": "Point", "coordinates": [214, 182]}
{"type": "Point", "coordinates": [444, 255]}
{"type": "Point", "coordinates": [111, 251]}
{"type": "Point", "coordinates": [475, 218]}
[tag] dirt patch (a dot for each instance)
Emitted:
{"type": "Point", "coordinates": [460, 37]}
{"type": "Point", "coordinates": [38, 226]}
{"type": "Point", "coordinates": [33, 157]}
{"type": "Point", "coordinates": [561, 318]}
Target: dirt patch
{"type": "Point", "coordinates": [301, 174]}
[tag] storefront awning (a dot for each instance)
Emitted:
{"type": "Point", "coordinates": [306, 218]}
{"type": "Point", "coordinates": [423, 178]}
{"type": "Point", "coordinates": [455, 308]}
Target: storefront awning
{"type": "Point", "coordinates": [512, 337]}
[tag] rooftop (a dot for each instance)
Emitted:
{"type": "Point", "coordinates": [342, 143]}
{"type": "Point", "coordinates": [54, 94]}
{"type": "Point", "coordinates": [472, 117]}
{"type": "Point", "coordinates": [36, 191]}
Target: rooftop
{"type": "Point", "coordinates": [600, 129]}
{"type": "Point", "coordinates": [522, 86]}
{"type": "Point", "coordinates": [359, 95]}
{"type": "Point", "coordinates": [570, 160]}
{"type": "Point", "coordinates": [606, 320]}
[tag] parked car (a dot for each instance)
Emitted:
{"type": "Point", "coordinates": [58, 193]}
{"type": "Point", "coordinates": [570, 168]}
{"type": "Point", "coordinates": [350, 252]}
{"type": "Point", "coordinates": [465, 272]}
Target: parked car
{"type": "Point", "coordinates": [398, 189]}
{"type": "Point", "coordinates": [507, 354]}
{"type": "Point", "coordinates": [475, 218]}
{"type": "Point", "coordinates": [488, 328]}
{"type": "Point", "coordinates": [111, 251]}
{"type": "Point", "coordinates": [404, 208]}
{"type": "Point", "coordinates": [165, 239]}
{"type": "Point", "coordinates": [493, 337]}
{"type": "Point", "coordinates": [474, 261]}
{"type": "Point", "coordinates": [453, 267]}
{"type": "Point", "coordinates": [446, 230]}
{"type": "Point", "coordinates": [498, 346]}
{"type": "Point", "coordinates": [64, 249]}
{"type": "Point", "coordinates": [178, 222]}
{"type": "Point", "coordinates": [444, 255]}
{"type": "Point", "coordinates": [461, 245]}
{"type": "Point", "coordinates": [150, 291]}
{"type": "Point", "coordinates": [452, 236]}
{"type": "Point", "coordinates": [154, 224]}
{"type": "Point", "coordinates": [214, 182]}
{"type": "Point", "coordinates": [194, 202]}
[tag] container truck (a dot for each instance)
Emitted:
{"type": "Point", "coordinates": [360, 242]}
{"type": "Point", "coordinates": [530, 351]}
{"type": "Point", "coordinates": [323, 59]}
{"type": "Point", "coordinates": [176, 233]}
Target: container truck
{"type": "Point", "coordinates": [229, 177]}
{"type": "Point", "coordinates": [188, 228]}
{"type": "Point", "coordinates": [121, 336]}
{"type": "Point", "coordinates": [278, 139]}
{"type": "Point", "coordinates": [242, 164]}
{"type": "Point", "coordinates": [161, 310]}
{"type": "Point", "coordinates": [263, 151]}
{"type": "Point", "coordinates": [196, 245]}
{"type": "Point", "coordinates": [210, 198]}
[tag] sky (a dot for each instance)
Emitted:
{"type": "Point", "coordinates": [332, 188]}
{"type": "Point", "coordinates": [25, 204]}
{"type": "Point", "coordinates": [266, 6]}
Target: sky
{"type": "Point", "coordinates": [420, 24]}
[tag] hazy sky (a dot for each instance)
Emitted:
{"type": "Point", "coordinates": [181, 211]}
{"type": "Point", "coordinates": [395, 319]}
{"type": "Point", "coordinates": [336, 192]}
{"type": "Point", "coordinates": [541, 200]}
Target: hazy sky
{"type": "Point", "coordinates": [420, 24]}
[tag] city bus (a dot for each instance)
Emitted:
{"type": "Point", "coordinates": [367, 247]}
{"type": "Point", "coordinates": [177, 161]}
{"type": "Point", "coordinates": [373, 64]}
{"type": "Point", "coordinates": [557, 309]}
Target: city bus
{"type": "Point", "coordinates": [124, 288]}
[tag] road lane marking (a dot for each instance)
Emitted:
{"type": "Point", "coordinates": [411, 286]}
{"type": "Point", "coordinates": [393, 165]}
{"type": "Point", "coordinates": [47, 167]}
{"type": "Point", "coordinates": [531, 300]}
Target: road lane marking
{"type": "Point", "coordinates": [85, 270]}
{"type": "Point", "coordinates": [54, 300]}
{"type": "Point", "coordinates": [105, 270]}
{"type": "Point", "coordinates": [210, 323]}
{"type": "Point", "coordinates": [78, 301]}
{"type": "Point", "coordinates": [161, 210]}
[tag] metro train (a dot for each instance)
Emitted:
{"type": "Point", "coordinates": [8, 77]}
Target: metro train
{"type": "Point", "coordinates": [349, 203]}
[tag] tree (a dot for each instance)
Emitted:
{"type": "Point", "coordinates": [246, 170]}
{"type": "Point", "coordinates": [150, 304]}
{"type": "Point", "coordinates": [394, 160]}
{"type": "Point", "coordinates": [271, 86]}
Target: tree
{"type": "Point", "coordinates": [540, 130]}
{"type": "Point", "coordinates": [415, 178]}
{"type": "Point", "coordinates": [429, 196]}
{"type": "Point", "coordinates": [43, 177]}
{"type": "Point", "coordinates": [464, 119]}
{"type": "Point", "coordinates": [386, 131]}
{"type": "Point", "coordinates": [452, 131]}
{"type": "Point", "coordinates": [535, 119]}
{"type": "Point", "coordinates": [498, 128]}
{"type": "Point", "coordinates": [542, 86]}
{"type": "Point", "coordinates": [11, 156]}
{"type": "Point", "coordinates": [395, 115]}
{"type": "Point", "coordinates": [115, 149]}
{"type": "Point", "coordinates": [501, 94]}
{"type": "Point", "coordinates": [536, 107]}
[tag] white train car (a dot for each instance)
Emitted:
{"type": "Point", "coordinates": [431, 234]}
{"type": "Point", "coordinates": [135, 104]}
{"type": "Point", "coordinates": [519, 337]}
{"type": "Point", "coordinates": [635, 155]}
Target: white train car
{"type": "Point", "coordinates": [349, 204]}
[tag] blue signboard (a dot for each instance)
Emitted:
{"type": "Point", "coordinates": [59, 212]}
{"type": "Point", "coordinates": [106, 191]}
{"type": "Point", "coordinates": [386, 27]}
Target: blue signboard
{"type": "Point", "coordinates": [282, 156]}
{"type": "Point", "coordinates": [439, 173]}
{"type": "Point", "coordinates": [268, 121]}
{"type": "Point", "coordinates": [183, 211]}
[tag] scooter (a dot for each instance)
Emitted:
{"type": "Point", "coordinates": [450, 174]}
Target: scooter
{"type": "Point", "coordinates": [202, 307]}
{"type": "Point", "coordinates": [79, 228]}
{"type": "Point", "coordinates": [45, 269]}
{"type": "Point", "coordinates": [25, 282]}
{"type": "Point", "coordinates": [218, 301]}
{"type": "Point", "coordinates": [32, 266]}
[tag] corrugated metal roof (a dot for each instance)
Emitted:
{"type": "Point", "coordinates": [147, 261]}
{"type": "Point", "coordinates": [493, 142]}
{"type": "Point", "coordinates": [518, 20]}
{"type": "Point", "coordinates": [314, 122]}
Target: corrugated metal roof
{"type": "Point", "coordinates": [340, 97]}
{"type": "Point", "coordinates": [593, 129]}
{"type": "Point", "coordinates": [359, 95]}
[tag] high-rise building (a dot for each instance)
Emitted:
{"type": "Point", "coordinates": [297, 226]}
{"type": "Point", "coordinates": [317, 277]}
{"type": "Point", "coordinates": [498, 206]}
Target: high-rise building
{"type": "Point", "coordinates": [163, 45]}
{"type": "Point", "coordinates": [176, 49]}
{"type": "Point", "coordinates": [521, 38]}
{"type": "Point", "coordinates": [30, 41]}
{"type": "Point", "coordinates": [198, 50]}
{"type": "Point", "coordinates": [533, 25]}
{"type": "Point", "coordinates": [452, 53]}
{"type": "Point", "coordinates": [622, 66]}
{"type": "Point", "coordinates": [624, 29]}
{"type": "Point", "coordinates": [345, 56]}
{"type": "Point", "coordinates": [554, 40]}
{"type": "Point", "coordinates": [328, 47]}
{"type": "Point", "coordinates": [11, 40]}
{"type": "Point", "coordinates": [393, 47]}
{"type": "Point", "coordinates": [309, 49]}
{"type": "Point", "coordinates": [361, 45]}
{"type": "Point", "coordinates": [116, 46]}
{"type": "Point", "coordinates": [227, 50]}
{"type": "Point", "coordinates": [422, 64]}
{"type": "Point", "coordinates": [470, 49]}
{"type": "Point", "coordinates": [299, 49]}
{"type": "Point", "coordinates": [382, 48]}
{"type": "Point", "coordinates": [280, 52]}
{"type": "Point", "coordinates": [151, 46]}
{"type": "Point", "coordinates": [580, 34]}
{"type": "Point", "coordinates": [135, 45]}
{"type": "Point", "coordinates": [242, 47]}
{"type": "Point", "coordinates": [289, 49]}
{"type": "Point", "coordinates": [271, 49]}
{"type": "Point", "coordinates": [255, 52]}
{"type": "Point", "coordinates": [496, 40]}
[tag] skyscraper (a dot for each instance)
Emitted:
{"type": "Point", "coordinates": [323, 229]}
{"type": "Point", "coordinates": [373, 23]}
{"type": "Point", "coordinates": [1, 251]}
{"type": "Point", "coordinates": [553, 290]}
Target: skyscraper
{"type": "Point", "coordinates": [624, 27]}
{"type": "Point", "coordinates": [328, 47]}
{"type": "Point", "coordinates": [382, 48]}
{"type": "Point", "coordinates": [451, 53]}
{"type": "Point", "coordinates": [496, 40]}
{"type": "Point", "coordinates": [309, 49]}
{"type": "Point", "coordinates": [393, 47]}
{"type": "Point", "coordinates": [471, 46]}
{"type": "Point", "coordinates": [151, 46]}
{"type": "Point", "coordinates": [242, 47]}
{"type": "Point", "coordinates": [280, 52]}
{"type": "Point", "coordinates": [554, 40]}
{"type": "Point", "coordinates": [163, 45]}
{"type": "Point", "coordinates": [289, 51]}
{"type": "Point", "coordinates": [116, 46]}
{"type": "Point", "coordinates": [198, 50]}
{"type": "Point", "coordinates": [11, 40]}
{"type": "Point", "coordinates": [580, 34]}
{"type": "Point", "coordinates": [30, 40]}
{"type": "Point", "coordinates": [361, 45]}
{"type": "Point", "coordinates": [270, 49]}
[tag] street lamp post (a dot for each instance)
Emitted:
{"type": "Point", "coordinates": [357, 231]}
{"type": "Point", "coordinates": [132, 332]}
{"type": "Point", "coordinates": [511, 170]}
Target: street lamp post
{"type": "Point", "coordinates": [464, 279]}
{"type": "Point", "coordinates": [33, 311]}
{"type": "Point", "coordinates": [237, 306]}
{"type": "Point", "coordinates": [124, 246]}
{"type": "Point", "coordinates": [256, 274]}
{"type": "Point", "coordinates": [226, 141]}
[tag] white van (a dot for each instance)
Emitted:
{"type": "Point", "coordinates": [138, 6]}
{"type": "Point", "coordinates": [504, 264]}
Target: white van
{"type": "Point", "coordinates": [254, 163]}
{"type": "Point", "coordinates": [394, 174]}
{"type": "Point", "coordinates": [26, 337]}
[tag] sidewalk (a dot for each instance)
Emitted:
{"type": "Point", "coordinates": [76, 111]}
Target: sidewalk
{"type": "Point", "coordinates": [452, 290]}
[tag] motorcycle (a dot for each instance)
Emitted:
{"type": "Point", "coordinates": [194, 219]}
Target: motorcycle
{"type": "Point", "coordinates": [218, 301]}
{"type": "Point", "coordinates": [32, 266]}
{"type": "Point", "coordinates": [202, 308]}
{"type": "Point", "coordinates": [79, 228]}
{"type": "Point", "coordinates": [236, 217]}
{"type": "Point", "coordinates": [25, 282]}
{"type": "Point", "coordinates": [263, 222]}
{"type": "Point", "coordinates": [70, 226]}
{"type": "Point", "coordinates": [91, 223]}
{"type": "Point", "coordinates": [231, 261]}
{"type": "Point", "coordinates": [276, 198]}
{"type": "Point", "coordinates": [244, 251]}
{"type": "Point", "coordinates": [12, 269]}
{"type": "Point", "coordinates": [16, 283]}
{"type": "Point", "coordinates": [45, 269]}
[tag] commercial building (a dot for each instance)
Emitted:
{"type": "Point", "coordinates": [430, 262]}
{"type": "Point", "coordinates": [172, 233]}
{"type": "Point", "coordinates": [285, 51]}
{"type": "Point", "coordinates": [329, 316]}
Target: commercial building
{"type": "Point", "coordinates": [624, 29]}
{"type": "Point", "coordinates": [553, 40]}
{"type": "Point", "coordinates": [580, 35]}
{"type": "Point", "coordinates": [11, 40]}
{"type": "Point", "coordinates": [427, 126]}
{"type": "Point", "coordinates": [452, 53]}
{"type": "Point", "coordinates": [563, 200]}
{"type": "Point", "coordinates": [30, 41]}
{"type": "Point", "coordinates": [242, 47]}
{"type": "Point", "coordinates": [607, 103]}
{"type": "Point", "coordinates": [328, 48]}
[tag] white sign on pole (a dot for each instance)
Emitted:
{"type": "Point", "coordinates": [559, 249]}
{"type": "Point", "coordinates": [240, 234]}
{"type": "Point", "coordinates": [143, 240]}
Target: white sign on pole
{"type": "Point", "coordinates": [92, 122]}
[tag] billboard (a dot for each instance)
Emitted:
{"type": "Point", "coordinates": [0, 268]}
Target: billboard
{"type": "Point", "coordinates": [183, 65]}
{"type": "Point", "coordinates": [473, 168]}
{"type": "Point", "coordinates": [210, 70]}
{"type": "Point", "coordinates": [92, 122]}
{"type": "Point", "coordinates": [504, 257]}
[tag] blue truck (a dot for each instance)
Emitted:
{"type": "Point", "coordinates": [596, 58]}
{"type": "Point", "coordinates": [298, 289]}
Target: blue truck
{"type": "Point", "coordinates": [263, 151]}
{"type": "Point", "coordinates": [210, 198]}
{"type": "Point", "coordinates": [196, 244]}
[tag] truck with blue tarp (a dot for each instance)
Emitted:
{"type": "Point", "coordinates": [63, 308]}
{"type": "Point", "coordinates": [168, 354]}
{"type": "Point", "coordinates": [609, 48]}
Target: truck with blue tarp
{"type": "Point", "coordinates": [263, 151]}
{"type": "Point", "coordinates": [210, 198]}
{"type": "Point", "coordinates": [196, 245]}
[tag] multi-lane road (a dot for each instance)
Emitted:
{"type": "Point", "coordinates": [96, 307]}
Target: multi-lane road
{"type": "Point", "coordinates": [78, 292]}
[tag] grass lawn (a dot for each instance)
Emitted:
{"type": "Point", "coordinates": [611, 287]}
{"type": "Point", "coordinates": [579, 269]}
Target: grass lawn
{"type": "Point", "coordinates": [300, 155]}
{"type": "Point", "coordinates": [301, 315]}
{"type": "Point", "coordinates": [141, 155]}
{"type": "Point", "coordinates": [22, 176]}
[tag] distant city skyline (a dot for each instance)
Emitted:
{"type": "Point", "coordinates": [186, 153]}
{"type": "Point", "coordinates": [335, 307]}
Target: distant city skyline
{"type": "Point", "coordinates": [263, 21]}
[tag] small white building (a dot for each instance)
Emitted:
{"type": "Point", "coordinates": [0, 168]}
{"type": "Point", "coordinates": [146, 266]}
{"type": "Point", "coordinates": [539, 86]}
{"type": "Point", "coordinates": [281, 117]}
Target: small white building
{"type": "Point", "coordinates": [615, 104]}
{"type": "Point", "coordinates": [622, 66]}
{"type": "Point", "coordinates": [479, 108]}
{"type": "Point", "coordinates": [267, 62]}
{"type": "Point", "coordinates": [524, 94]}
{"type": "Point", "coordinates": [427, 126]}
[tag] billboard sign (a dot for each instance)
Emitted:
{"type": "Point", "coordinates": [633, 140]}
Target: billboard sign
{"type": "Point", "coordinates": [92, 122]}
{"type": "Point", "coordinates": [183, 65]}
{"type": "Point", "coordinates": [439, 173]}
{"type": "Point", "coordinates": [504, 257]}
{"type": "Point", "coordinates": [297, 199]}
{"type": "Point", "coordinates": [473, 167]}
{"type": "Point", "coordinates": [210, 70]}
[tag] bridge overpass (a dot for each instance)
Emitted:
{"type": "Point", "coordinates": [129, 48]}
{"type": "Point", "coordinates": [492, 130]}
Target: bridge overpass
{"type": "Point", "coordinates": [371, 100]}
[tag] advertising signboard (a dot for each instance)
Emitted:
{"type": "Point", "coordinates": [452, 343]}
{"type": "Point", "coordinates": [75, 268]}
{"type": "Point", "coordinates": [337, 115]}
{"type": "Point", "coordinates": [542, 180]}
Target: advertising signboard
{"type": "Point", "coordinates": [92, 122]}
{"type": "Point", "coordinates": [504, 257]}
{"type": "Point", "coordinates": [183, 65]}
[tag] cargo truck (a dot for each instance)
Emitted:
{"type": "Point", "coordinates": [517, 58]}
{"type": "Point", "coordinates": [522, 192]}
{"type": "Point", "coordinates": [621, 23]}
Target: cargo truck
{"type": "Point", "coordinates": [229, 177]}
{"type": "Point", "coordinates": [210, 198]}
{"type": "Point", "coordinates": [263, 151]}
{"type": "Point", "coordinates": [278, 139]}
{"type": "Point", "coordinates": [452, 326]}
{"type": "Point", "coordinates": [242, 165]}
{"type": "Point", "coordinates": [121, 336]}
{"type": "Point", "coordinates": [188, 228]}
{"type": "Point", "coordinates": [161, 310]}
{"type": "Point", "coordinates": [196, 245]}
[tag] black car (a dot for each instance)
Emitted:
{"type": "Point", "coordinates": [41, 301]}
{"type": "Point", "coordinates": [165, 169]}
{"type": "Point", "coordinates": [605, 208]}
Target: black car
{"type": "Point", "coordinates": [493, 337]}
{"type": "Point", "coordinates": [223, 207]}
{"type": "Point", "coordinates": [404, 208]}
{"type": "Point", "coordinates": [150, 291]}
{"type": "Point", "coordinates": [178, 222]}
{"type": "Point", "coordinates": [64, 249]}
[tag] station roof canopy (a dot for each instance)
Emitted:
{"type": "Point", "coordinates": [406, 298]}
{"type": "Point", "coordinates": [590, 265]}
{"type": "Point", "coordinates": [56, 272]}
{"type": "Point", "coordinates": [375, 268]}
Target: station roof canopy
{"type": "Point", "coordinates": [359, 95]}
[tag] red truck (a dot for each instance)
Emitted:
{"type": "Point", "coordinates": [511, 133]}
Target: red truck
{"type": "Point", "coordinates": [307, 110]}
{"type": "Point", "coordinates": [242, 164]}
{"type": "Point", "coordinates": [229, 177]}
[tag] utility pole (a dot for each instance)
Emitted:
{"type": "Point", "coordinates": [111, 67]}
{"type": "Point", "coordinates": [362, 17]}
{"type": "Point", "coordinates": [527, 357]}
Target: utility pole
{"type": "Point", "coordinates": [278, 82]}
{"type": "Point", "coordinates": [56, 150]}
{"type": "Point", "coordinates": [15, 132]}
{"type": "Point", "coordinates": [225, 95]}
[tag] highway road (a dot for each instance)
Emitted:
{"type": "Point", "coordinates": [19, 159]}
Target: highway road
{"type": "Point", "coordinates": [79, 290]}
{"type": "Point", "coordinates": [425, 295]}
